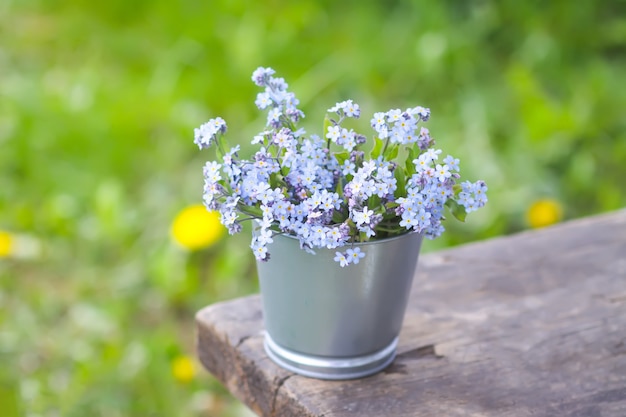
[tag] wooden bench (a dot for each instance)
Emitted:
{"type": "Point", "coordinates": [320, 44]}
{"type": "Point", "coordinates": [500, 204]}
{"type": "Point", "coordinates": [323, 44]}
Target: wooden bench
{"type": "Point", "coordinates": [532, 324]}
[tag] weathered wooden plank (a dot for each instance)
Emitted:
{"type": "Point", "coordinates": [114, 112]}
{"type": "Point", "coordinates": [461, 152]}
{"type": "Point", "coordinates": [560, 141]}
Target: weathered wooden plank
{"type": "Point", "coordinates": [527, 325]}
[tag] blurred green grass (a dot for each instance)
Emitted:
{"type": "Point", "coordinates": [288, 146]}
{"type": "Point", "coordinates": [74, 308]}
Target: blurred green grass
{"type": "Point", "coordinates": [98, 101]}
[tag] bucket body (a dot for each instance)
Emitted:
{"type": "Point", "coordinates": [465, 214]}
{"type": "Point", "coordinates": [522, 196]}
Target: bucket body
{"type": "Point", "coordinates": [331, 322]}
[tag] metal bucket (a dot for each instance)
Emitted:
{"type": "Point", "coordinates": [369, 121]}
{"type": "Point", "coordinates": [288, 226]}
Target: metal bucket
{"type": "Point", "coordinates": [329, 322]}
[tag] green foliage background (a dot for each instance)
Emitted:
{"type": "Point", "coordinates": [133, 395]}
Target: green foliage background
{"type": "Point", "coordinates": [98, 101]}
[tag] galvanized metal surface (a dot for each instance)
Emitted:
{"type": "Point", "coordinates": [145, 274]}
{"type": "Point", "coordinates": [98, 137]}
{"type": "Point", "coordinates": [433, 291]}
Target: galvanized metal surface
{"type": "Point", "coordinates": [322, 367]}
{"type": "Point", "coordinates": [318, 314]}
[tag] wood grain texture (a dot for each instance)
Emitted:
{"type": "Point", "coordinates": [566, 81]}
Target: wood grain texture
{"type": "Point", "coordinates": [527, 325]}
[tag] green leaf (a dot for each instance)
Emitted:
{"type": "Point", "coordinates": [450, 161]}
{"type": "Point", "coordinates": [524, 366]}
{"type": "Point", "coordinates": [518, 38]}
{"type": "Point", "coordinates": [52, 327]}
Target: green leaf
{"type": "Point", "coordinates": [339, 216]}
{"type": "Point", "coordinates": [400, 176]}
{"type": "Point", "coordinates": [274, 180]}
{"type": "Point", "coordinates": [378, 147]}
{"type": "Point", "coordinates": [341, 156]}
{"type": "Point", "coordinates": [250, 210]}
{"type": "Point", "coordinates": [373, 201]}
{"type": "Point", "coordinates": [456, 209]}
{"type": "Point", "coordinates": [408, 163]}
{"type": "Point", "coordinates": [339, 187]}
{"type": "Point", "coordinates": [391, 153]}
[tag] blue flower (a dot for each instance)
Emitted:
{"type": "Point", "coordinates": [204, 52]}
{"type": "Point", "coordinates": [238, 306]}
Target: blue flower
{"type": "Point", "coordinates": [333, 133]}
{"type": "Point", "coordinates": [261, 76]}
{"type": "Point", "coordinates": [452, 163]}
{"type": "Point", "coordinates": [329, 196]}
{"type": "Point", "coordinates": [263, 100]}
{"type": "Point", "coordinates": [379, 123]}
{"type": "Point", "coordinates": [442, 172]}
{"type": "Point", "coordinates": [422, 112]}
{"type": "Point", "coordinates": [394, 115]}
{"type": "Point", "coordinates": [473, 195]}
{"type": "Point", "coordinates": [341, 258]}
{"type": "Point", "coordinates": [355, 255]}
{"type": "Point", "coordinates": [362, 217]}
{"type": "Point", "coordinates": [346, 108]}
{"type": "Point", "coordinates": [424, 140]}
{"type": "Point", "coordinates": [206, 134]}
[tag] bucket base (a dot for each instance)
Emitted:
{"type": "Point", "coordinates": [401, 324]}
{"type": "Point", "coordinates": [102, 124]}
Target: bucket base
{"type": "Point", "coordinates": [323, 367]}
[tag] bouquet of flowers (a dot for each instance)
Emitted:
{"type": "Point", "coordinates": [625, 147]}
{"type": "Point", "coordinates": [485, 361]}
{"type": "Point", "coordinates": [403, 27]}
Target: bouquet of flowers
{"type": "Point", "coordinates": [335, 190]}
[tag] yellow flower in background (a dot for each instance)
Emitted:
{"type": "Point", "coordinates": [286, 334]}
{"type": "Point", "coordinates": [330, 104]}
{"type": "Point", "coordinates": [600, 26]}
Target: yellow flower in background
{"type": "Point", "coordinates": [183, 369]}
{"type": "Point", "coordinates": [6, 244]}
{"type": "Point", "coordinates": [544, 213]}
{"type": "Point", "coordinates": [195, 227]}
